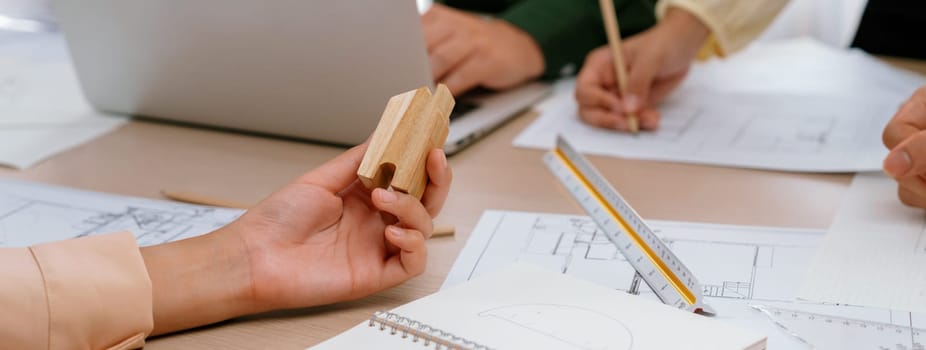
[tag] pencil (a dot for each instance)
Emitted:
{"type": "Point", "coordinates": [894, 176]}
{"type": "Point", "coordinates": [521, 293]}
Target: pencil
{"type": "Point", "coordinates": [614, 41]}
{"type": "Point", "coordinates": [443, 231]}
{"type": "Point", "coordinates": [195, 198]}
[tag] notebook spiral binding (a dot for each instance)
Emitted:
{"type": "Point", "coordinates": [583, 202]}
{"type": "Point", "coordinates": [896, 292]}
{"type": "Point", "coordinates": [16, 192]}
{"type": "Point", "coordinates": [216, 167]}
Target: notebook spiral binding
{"type": "Point", "coordinates": [418, 331]}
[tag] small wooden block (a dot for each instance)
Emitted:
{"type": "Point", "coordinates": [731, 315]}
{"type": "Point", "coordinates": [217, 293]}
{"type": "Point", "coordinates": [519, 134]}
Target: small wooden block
{"type": "Point", "coordinates": [412, 125]}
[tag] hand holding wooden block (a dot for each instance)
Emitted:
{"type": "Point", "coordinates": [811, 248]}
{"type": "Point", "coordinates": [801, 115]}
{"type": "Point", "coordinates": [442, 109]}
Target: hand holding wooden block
{"type": "Point", "coordinates": [412, 125]}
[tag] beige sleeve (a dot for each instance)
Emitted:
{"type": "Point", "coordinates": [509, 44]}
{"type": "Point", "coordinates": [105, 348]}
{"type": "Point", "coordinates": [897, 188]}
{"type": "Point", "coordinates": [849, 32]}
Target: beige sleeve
{"type": "Point", "coordinates": [86, 293]}
{"type": "Point", "coordinates": [733, 23]}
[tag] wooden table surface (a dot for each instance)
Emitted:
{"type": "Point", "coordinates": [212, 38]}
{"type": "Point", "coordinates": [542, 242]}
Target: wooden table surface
{"type": "Point", "coordinates": [142, 158]}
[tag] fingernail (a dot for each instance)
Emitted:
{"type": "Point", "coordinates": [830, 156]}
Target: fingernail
{"type": "Point", "coordinates": [396, 232]}
{"type": "Point", "coordinates": [897, 163]}
{"type": "Point", "coordinates": [387, 196]}
{"type": "Point", "coordinates": [631, 103]}
{"type": "Point", "coordinates": [443, 159]}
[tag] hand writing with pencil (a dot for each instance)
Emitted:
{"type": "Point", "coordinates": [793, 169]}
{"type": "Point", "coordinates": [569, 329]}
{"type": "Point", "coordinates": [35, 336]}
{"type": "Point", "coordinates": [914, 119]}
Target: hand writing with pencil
{"type": "Point", "coordinates": [905, 136]}
{"type": "Point", "coordinates": [656, 61]}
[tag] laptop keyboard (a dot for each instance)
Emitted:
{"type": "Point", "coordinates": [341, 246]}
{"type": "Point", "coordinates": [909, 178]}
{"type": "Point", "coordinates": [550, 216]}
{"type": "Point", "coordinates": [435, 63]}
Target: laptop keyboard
{"type": "Point", "coordinates": [461, 108]}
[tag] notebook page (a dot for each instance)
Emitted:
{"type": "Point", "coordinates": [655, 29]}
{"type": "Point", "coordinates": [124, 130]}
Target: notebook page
{"type": "Point", "coordinates": [525, 307]}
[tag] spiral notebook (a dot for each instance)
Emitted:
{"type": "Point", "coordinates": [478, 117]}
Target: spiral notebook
{"type": "Point", "coordinates": [526, 307]}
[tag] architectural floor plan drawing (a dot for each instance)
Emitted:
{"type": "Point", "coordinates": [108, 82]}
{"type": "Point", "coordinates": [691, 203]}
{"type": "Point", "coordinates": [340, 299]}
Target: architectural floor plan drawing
{"type": "Point", "coordinates": [823, 112]}
{"type": "Point", "coordinates": [740, 130]}
{"type": "Point", "coordinates": [738, 267]}
{"type": "Point", "coordinates": [731, 262]}
{"type": "Point", "coordinates": [31, 213]}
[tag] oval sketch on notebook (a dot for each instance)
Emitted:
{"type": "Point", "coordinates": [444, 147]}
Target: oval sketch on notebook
{"type": "Point", "coordinates": [558, 322]}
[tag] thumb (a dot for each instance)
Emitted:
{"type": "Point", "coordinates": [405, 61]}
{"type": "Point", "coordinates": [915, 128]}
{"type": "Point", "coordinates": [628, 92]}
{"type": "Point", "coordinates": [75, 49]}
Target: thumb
{"type": "Point", "coordinates": [908, 158]}
{"type": "Point", "coordinates": [338, 173]}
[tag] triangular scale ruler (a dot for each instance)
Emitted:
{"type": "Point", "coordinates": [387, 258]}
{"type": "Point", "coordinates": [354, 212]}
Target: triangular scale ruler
{"type": "Point", "coordinates": [671, 281]}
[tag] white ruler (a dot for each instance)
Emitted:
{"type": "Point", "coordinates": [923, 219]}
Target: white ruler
{"type": "Point", "coordinates": [666, 275]}
{"type": "Point", "coordinates": [829, 332]}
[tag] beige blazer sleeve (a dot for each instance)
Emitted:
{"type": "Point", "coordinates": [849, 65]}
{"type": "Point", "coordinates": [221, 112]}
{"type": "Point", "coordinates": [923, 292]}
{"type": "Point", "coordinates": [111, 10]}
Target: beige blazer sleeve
{"type": "Point", "coordinates": [86, 293]}
{"type": "Point", "coordinates": [733, 23]}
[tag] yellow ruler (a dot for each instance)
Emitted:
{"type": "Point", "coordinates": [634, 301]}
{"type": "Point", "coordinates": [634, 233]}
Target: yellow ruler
{"type": "Point", "coordinates": [671, 281]}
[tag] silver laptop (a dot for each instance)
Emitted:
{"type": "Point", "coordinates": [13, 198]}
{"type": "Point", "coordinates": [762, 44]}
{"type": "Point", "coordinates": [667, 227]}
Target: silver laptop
{"type": "Point", "coordinates": [315, 70]}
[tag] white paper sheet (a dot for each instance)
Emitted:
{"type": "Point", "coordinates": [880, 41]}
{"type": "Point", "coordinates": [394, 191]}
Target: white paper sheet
{"type": "Point", "coordinates": [874, 253]}
{"type": "Point", "coordinates": [42, 109]}
{"type": "Point", "coordinates": [525, 307]}
{"type": "Point", "coordinates": [738, 266]}
{"type": "Point", "coordinates": [792, 106]}
{"type": "Point", "coordinates": [32, 213]}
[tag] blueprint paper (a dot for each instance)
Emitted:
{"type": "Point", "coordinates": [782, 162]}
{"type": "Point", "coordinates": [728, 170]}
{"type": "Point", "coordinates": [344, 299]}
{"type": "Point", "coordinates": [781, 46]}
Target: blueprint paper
{"type": "Point", "coordinates": [42, 109]}
{"type": "Point", "coordinates": [738, 266]}
{"type": "Point", "coordinates": [874, 253]}
{"type": "Point", "coordinates": [32, 213]}
{"type": "Point", "coordinates": [790, 106]}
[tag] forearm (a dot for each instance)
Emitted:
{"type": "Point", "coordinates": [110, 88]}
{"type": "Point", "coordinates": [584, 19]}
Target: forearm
{"type": "Point", "coordinates": [688, 32]}
{"type": "Point", "coordinates": [85, 293]}
{"type": "Point", "coordinates": [199, 281]}
{"type": "Point", "coordinates": [733, 23]}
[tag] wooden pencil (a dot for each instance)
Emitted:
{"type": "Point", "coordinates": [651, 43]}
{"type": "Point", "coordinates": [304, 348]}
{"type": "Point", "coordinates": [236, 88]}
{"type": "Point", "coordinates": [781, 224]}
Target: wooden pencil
{"type": "Point", "coordinates": [196, 198]}
{"type": "Point", "coordinates": [614, 42]}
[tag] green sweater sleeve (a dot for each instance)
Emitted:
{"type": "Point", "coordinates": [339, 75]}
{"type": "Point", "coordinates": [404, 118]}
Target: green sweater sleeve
{"type": "Point", "coordinates": [567, 30]}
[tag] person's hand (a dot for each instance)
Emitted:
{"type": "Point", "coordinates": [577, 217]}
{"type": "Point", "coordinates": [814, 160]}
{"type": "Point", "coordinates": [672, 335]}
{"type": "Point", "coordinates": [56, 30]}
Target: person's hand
{"type": "Point", "coordinates": [327, 238]}
{"type": "Point", "coordinates": [657, 60]}
{"type": "Point", "coordinates": [905, 136]}
{"type": "Point", "coordinates": [467, 51]}
{"type": "Point", "coordinates": [322, 239]}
